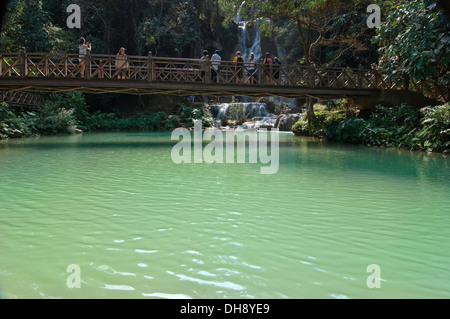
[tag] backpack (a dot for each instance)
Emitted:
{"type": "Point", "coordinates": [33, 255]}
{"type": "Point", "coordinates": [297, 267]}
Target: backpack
{"type": "Point", "coordinates": [240, 60]}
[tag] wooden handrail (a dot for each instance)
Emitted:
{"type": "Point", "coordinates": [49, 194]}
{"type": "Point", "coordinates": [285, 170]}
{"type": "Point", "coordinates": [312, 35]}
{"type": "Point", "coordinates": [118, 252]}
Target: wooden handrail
{"type": "Point", "coordinates": [170, 69]}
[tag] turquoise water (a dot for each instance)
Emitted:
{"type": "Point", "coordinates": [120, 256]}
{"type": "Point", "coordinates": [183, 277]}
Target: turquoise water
{"type": "Point", "coordinates": [140, 226]}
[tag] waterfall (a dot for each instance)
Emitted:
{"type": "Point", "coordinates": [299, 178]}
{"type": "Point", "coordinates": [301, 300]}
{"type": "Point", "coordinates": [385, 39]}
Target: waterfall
{"type": "Point", "coordinates": [250, 110]}
{"type": "Point", "coordinates": [222, 111]}
{"type": "Point", "coordinates": [256, 115]}
{"type": "Point", "coordinates": [256, 109]}
{"type": "Point", "coordinates": [248, 41]}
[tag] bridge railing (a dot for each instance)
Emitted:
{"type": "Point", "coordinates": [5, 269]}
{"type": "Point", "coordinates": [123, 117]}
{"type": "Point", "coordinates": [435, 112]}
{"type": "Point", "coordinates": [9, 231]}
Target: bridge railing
{"type": "Point", "coordinates": [21, 98]}
{"type": "Point", "coordinates": [162, 69]}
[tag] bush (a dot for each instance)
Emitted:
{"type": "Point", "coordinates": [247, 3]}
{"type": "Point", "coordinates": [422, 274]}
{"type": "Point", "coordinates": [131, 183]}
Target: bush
{"type": "Point", "coordinates": [189, 114]}
{"type": "Point", "coordinates": [71, 101]}
{"type": "Point", "coordinates": [347, 131]}
{"type": "Point", "coordinates": [301, 128]}
{"type": "Point", "coordinates": [401, 126]}
{"type": "Point", "coordinates": [435, 132]}
{"type": "Point", "coordinates": [236, 112]}
{"type": "Point", "coordinates": [172, 122]}
{"type": "Point", "coordinates": [15, 125]}
{"type": "Point", "coordinates": [52, 121]}
{"type": "Point", "coordinates": [207, 117]}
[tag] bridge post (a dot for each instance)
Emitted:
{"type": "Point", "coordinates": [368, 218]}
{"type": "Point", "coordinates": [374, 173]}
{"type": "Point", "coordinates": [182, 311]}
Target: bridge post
{"type": "Point", "coordinates": [23, 63]}
{"type": "Point", "coordinates": [46, 70]}
{"type": "Point", "coordinates": [261, 76]}
{"type": "Point", "coordinates": [88, 65]}
{"type": "Point", "coordinates": [208, 70]}
{"type": "Point", "coordinates": [66, 65]}
{"type": "Point", "coordinates": [150, 67]}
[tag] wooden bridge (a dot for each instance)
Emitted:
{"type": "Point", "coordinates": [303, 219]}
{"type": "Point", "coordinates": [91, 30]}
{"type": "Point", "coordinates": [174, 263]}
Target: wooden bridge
{"type": "Point", "coordinates": [61, 72]}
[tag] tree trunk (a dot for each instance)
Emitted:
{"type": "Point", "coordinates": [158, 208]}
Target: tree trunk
{"type": "Point", "coordinates": [310, 115]}
{"type": "Point", "coordinates": [307, 46]}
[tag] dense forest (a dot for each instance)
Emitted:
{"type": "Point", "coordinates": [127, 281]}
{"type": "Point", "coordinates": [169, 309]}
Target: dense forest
{"type": "Point", "coordinates": [414, 37]}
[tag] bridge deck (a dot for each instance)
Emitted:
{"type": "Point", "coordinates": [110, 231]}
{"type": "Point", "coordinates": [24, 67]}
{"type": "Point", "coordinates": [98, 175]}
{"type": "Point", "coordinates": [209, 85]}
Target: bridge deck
{"type": "Point", "coordinates": [56, 72]}
{"type": "Point", "coordinates": [176, 88]}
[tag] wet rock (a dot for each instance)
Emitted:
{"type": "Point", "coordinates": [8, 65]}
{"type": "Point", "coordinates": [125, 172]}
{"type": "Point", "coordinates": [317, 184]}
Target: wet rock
{"type": "Point", "coordinates": [285, 122]}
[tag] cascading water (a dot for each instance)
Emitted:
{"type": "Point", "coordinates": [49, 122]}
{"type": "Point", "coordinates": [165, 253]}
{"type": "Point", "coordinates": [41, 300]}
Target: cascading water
{"type": "Point", "coordinates": [256, 112]}
{"type": "Point", "coordinates": [249, 41]}
{"type": "Point", "coordinates": [251, 109]}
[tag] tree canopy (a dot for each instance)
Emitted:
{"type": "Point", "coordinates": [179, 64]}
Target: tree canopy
{"type": "Point", "coordinates": [167, 28]}
{"type": "Point", "coordinates": [415, 39]}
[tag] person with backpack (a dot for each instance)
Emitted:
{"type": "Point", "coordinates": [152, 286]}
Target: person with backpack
{"type": "Point", "coordinates": [239, 60]}
{"type": "Point", "coordinates": [268, 63]}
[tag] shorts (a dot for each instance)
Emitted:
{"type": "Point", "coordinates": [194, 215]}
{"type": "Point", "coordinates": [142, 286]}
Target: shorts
{"type": "Point", "coordinates": [240, 73]}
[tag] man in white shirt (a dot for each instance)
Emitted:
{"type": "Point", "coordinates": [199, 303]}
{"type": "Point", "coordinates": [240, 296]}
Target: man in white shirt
{"type": "Point", "coordinates": [215, 62]}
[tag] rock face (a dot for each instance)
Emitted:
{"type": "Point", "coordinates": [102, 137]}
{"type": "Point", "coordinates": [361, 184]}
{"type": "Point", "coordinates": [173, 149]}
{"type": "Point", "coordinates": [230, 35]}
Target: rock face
{"type": "Point", "coordinates": [285, 122]}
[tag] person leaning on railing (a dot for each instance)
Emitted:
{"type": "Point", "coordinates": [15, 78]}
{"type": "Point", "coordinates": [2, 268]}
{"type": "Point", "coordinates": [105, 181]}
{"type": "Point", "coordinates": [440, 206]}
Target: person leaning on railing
{"type": "Point", "coordinates": [122, 63]}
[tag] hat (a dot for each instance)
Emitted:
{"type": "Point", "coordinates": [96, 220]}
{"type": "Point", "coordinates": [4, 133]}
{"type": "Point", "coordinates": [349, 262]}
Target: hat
{"type": "Point", "coordinates": [122, 49]}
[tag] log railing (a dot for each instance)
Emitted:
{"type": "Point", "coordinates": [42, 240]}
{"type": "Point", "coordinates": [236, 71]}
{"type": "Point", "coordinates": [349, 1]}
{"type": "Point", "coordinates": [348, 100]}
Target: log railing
{"type": "Point", "coordinates": [157, 69]}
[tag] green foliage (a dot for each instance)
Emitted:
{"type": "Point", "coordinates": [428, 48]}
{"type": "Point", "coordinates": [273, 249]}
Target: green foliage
{"type": "Point", "coordinates": [324, 119]}
{"type": "Point", "coordinates": [29, 25]}
{"type": "Point", "coordinates": [401, 126]}
{"type": "Point", "coordinates": [348, 131]}
{"type": "Point", "coordinates": [50, 120]}
{"type": "Point", "coordinates": [207, 117]}
{"type": "Point", "coordinates": [173, 122]}
{"type": "Point", "coordinates": [435, 132]}
{"type": "Point", "coordinates": [301, 128]}
{"type": "Point", "coordinates": [137, 122]}
{"type": "Point", "coordinates": [311, 31]}
{"type": "Point", "coordinates": [14, 125]}
{"type": "Point", "coordinates": [237, 113]}
{"type": "Point", "coordinates": [71, 101]}
{"type": "Point", "coordinates": [415, 39]}
{"type": "Point", "coordinates": [189, 114]}
{"type": "Point", "coordinates": [55, 121]}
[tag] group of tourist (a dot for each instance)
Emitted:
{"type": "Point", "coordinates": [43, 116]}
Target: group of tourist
{"type": "Point", "coordinates": [243, 73]}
